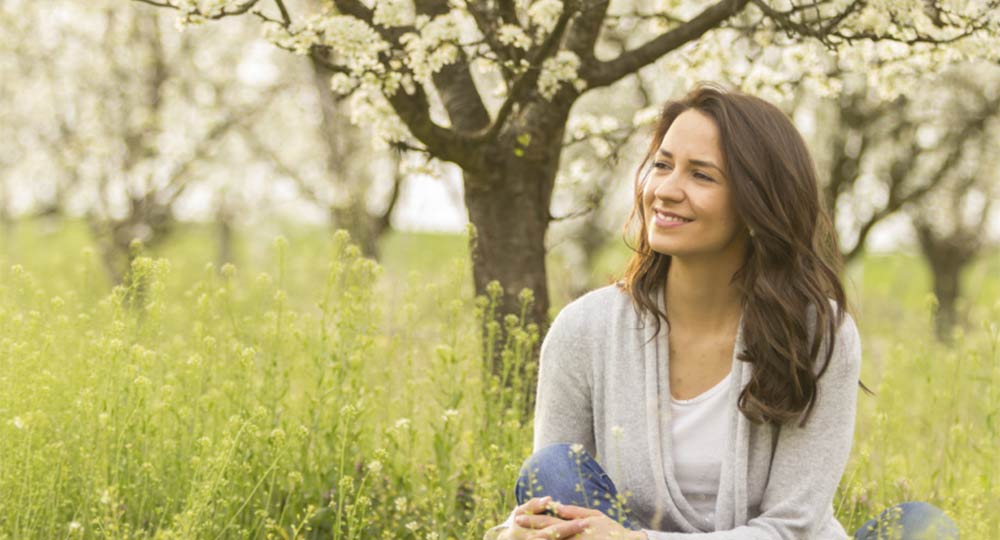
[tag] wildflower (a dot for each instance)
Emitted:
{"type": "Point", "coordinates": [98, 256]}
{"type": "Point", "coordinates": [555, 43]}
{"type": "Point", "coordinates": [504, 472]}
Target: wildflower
{"type": "Point", "coordinates": [616, 431]}
{"type": "Point", "coordinates": [375, 466]}
{"type": "Point", "coordinates": [576, 448]}
{"type": "Point", "coordinates": [413, 526]}
{"type": "Point", "coordinates": [448, 414]}
{"type": "Point", "coordinates": [75, 526]}
{"type": "Point", "coordinates": [400, 504]}
{"type": "Point", "coordinates": [18, 423]}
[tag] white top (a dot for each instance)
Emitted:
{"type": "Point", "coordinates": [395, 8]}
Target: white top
{"type": "Point", "coordinates": [699, 427]}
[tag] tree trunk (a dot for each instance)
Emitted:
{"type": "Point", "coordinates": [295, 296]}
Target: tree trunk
{"type": "Point", "coordinates": [508, 203]}
{"type": "Point", "coordinates": [224, 237]}
{"type": "Point", "coordinates": [947, 257]}
{"type": "Point", "coordinates": [946, 288]}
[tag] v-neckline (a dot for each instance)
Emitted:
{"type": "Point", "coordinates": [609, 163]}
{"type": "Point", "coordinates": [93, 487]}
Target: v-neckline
{"type": "Point", "coordinates": [656, 352]}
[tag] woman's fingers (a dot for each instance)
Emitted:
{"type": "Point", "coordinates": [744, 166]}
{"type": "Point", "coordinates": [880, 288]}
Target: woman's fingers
{"type": "Point", "coordinates": [536, 505]}
{"type": "Point", "coordinates": [536, 521]}
{"type": "Point", "coordinates": [560, 531]}
{"type": "Point", "coordinates": [569, 511]}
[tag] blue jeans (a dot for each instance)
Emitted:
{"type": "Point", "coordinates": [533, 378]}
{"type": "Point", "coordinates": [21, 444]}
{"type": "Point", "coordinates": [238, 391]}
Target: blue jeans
{"type": "Point", "coordinates": [573, 477]}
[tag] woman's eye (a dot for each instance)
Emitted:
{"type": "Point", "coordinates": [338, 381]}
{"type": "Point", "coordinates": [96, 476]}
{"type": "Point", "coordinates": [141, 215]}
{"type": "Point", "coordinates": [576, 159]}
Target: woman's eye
{"type": "Point", "coordinates": [662, 165]}
{"type": "Point", "coordinates": [702, 176]}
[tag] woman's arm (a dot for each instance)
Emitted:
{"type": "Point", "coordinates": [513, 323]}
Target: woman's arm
{"type": "Point", "coordinates": [563, 403]}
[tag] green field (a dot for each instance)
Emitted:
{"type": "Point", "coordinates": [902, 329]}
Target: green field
{"type": "Point", "coordinates": [308, 393]}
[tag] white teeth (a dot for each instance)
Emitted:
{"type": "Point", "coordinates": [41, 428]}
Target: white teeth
{"type": "Point", "coordinates": [665, 217]}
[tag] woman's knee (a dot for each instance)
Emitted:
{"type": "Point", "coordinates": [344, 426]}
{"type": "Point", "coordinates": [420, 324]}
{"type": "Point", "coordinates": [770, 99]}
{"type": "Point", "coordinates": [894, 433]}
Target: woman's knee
{"type": "Point", "coordinates": [916, 520]}
{"type": "Point", "coordinates": [555, 470]}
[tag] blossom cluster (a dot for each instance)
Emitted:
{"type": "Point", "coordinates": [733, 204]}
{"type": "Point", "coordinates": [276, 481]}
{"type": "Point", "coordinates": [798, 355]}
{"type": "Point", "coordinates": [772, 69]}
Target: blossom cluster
{"type": "Point", "coordinates": [558, 69]}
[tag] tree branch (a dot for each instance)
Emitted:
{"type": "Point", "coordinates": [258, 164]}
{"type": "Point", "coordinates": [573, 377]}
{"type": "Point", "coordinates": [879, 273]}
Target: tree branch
{"type": "Point", "coordinates": [240, 9]}
{"type": "Point", "coordinates": [605, 73]}
{"type": "Point", "coordinates": [586, 28]}
{"type": "Point", "coordinates": [454, 82]}
{"type": "Point", "coordinates": [527, 81]}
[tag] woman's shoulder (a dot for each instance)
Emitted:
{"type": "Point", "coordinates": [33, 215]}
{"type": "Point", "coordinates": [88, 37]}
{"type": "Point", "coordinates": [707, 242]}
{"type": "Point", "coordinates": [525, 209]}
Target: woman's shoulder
{"type": "Point", "coordinates": [596, 305]}
{"type": "Point", "coordinates": [593, 311]}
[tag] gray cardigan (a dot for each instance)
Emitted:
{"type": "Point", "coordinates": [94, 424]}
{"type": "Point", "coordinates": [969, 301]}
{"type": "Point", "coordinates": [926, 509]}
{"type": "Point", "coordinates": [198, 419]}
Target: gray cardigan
{"type": "Point", "coordinates": [603, 384]}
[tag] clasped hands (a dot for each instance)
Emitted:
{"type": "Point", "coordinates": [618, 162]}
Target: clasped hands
{"type": "Point", "coordinates": [569, 523]}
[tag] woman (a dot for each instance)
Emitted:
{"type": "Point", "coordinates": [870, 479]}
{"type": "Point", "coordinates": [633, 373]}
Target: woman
{"type": "Point", "coordinates": [734, 419]}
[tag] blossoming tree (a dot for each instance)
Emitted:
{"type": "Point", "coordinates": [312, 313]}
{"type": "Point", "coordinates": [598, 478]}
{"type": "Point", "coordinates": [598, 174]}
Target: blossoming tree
{"type": "Point", "coordinates": [490, 85]}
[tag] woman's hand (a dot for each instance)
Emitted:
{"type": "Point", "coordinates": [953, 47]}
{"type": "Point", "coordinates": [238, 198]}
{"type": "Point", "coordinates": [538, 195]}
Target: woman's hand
{"type": "Point", "coordinates": [531, 509]}
{"type": "Point", "coordinates": [574, 523]}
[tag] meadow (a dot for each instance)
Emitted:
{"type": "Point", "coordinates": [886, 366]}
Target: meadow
{"type": "Point", "coordinates": [306, 392]}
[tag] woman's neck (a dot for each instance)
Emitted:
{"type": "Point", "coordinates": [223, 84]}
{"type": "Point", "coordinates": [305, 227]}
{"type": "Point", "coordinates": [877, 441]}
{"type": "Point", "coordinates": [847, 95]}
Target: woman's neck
{"type": "Point", "coordinates": [701, 297]}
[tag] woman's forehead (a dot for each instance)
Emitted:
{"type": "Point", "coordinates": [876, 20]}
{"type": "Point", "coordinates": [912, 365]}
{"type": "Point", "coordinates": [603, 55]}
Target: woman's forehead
{"type": "Point", "coordinates": [693, 136]}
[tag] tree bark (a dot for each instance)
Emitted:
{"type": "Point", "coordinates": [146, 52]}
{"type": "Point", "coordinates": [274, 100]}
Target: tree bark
{"type": "Point", "coordinates": [508, 201]}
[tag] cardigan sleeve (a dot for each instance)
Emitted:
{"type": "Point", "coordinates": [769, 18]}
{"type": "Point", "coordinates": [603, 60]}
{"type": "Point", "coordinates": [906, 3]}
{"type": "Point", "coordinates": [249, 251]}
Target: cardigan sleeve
{"type": "Point", "coordinates": [564, 411]}
{"type": "Point", "coordinates": [563, 407]}
{"type": "Point", "coordinates": [808, 461]}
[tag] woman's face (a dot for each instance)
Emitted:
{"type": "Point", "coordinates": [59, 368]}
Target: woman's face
{"type": "Point", "coordinates": [687, 200]}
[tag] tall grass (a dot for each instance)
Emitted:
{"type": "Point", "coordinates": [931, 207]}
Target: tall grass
{"type": "Point", "coordinates": [316, 394]}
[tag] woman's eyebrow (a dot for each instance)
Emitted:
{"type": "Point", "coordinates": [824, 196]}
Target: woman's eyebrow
{"type": "Point", "coordinates": [697, 162]}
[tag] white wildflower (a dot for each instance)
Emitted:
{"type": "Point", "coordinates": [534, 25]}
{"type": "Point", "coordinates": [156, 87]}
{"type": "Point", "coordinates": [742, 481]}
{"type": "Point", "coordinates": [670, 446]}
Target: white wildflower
{"type": "Point", "coordinates": [576, 448]}
{"type": "Point", "coordinates": [449, 414]}
{"type": "Point", "coordinates": [375, 466]}
{"type": "Point", "coordinates": [18, 423]}
{"type": "Point", "coordinates": [617, 431]}
{"type": "Point", "coordinates": [402, 423]}
{"type": "Point", "coordinates": [413, 526]}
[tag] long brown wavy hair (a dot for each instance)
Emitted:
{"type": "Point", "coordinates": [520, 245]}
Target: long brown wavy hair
{"type": "Point", "coordinates": [792, 265]}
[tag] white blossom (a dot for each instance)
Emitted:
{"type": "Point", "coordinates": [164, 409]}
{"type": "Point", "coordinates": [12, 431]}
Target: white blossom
{"type": "Point", "coordinates": [545, 13]}
{"type": "Point", "coordinates": [434, 46]}
{"type": "Point", "coordinates": [513, 35]}
{"type": "Point", "coordinates": [556, 70]}
{"type": "Point", "coordinates": [393, 13]}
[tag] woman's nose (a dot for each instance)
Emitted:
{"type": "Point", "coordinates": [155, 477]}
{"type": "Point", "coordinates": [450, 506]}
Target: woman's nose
{"type": "Point", "coordinates": [669, 187]}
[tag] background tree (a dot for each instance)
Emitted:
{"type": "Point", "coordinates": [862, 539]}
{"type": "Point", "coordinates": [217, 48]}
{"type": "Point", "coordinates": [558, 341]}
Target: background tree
{"type": "Point", "coordinates": [951, 226]}
{"type": "Point", "coordinates": [118, 116]}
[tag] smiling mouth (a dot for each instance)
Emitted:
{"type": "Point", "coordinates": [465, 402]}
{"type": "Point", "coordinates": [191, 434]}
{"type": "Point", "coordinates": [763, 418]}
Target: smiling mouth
{"type": "Point", "coordinates": [670, 219]}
